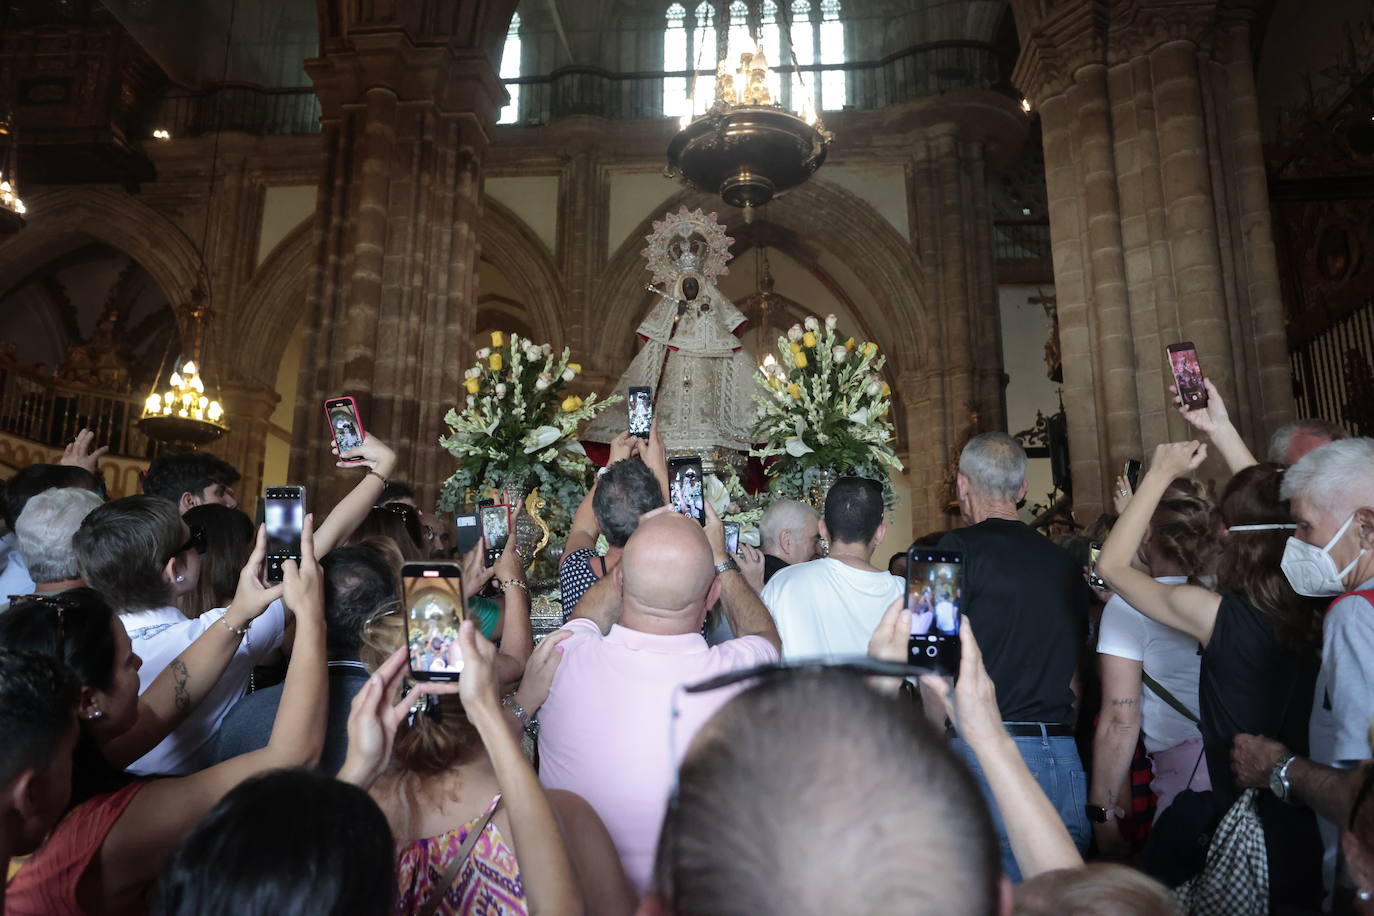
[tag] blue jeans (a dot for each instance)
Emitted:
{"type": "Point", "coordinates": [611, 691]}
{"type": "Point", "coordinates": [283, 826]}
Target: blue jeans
{"type": "Point", "coordinates": [1056, 767]}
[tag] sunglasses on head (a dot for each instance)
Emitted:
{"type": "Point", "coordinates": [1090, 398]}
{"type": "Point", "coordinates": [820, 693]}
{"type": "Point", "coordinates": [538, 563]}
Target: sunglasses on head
{"type": "Point", "coordinates": [197, 541]}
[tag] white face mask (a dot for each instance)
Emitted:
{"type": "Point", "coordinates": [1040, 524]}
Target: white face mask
{"type": "Point", "coordinates": [1312, 571]}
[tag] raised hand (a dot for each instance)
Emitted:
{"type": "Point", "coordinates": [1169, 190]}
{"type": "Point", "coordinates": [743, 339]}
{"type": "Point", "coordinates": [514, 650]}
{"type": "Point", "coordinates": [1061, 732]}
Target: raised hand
{"type": "Point", "coordinates": [750, 561]}
{"type": "Point", "coordinates": [477, 687]}
{"type": "Point", "coordinates": [510, 565]}
{"type": "Point", "coordinates": [79, 454]}
{"type": "Point", "coordinates": [375, 454]}
{"type": "Point", "coordinates": [972, 704]}
{"type": "Point", "coordinates": [715, 533]}
{"type": "Point", "coordinates": [373, 718]}
{"type": "Point", "coordinates": [253, 596]}
{"type": "Point", "coordinates": [303, 583]}
{"type": "Point", "coordinates": [1174, 459]}
{"type": "Point", "coordinates": [622, 447]}
{"type": "Point", "coordinates": [1207, 420]}
{"type": "Point", "coordinates": [1121, 495]}
{"type": "Point", "coordinates": [476, 573]}
{"type": "Point", "coordinates": [539, 671]}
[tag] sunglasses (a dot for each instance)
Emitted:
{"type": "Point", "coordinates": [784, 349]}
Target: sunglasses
{"type": "Point", "coordinates": [860, 665]}
{"type": "Point", "coordinates": [196, 541]}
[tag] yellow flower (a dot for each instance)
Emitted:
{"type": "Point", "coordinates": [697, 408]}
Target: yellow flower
{"type": "Point", "coordinates": [886, 390]}
{"type": "Point", "coordinates": [796, 347]}
{"type": "Point", "coordinates": [794, 390]}
{"type": "Point", "coordinates": [808, 339]}
{"type": "Point", "coordinates": [571, 402]}
{"type": "Point", "coordinates": [472, 385]}
{"type": "Point", "coordinates": [496, 362]}
{"type": "Point", "coordinates": [576, 367]}
{"type": "Point", "coordinates": [498, 339]}
{"type": "Point", "coordinates": [849, 344]}
{"type": "Point", "coordinates": [801, 360]}
{"type": "Point", "coordinates": [870, 348]}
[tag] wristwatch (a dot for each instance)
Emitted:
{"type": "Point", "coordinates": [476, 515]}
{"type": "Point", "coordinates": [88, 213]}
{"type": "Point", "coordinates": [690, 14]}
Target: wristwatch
{"type": "Point", "coordinates": [1278, 778]}
{"type": "Point", "coordinates": [1100, 815]}
{"type": "Point", "coordinates": [728, 565]}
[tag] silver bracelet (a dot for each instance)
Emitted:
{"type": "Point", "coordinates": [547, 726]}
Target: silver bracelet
{"type": "Point", "coordinates": [518, 583]}
{"type": "Point", "coordinates": [531, 725]}
{"type": "Point", "coordinates": [237, 631]}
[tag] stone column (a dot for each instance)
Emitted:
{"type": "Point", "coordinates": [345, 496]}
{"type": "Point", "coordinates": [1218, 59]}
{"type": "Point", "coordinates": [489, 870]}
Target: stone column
{"type": "Point", "coordinates": [393, 295]}
{"type": "Point", "coordinates": [246, 444]}
{"type": "Point", "coordinates": [1159, 220]}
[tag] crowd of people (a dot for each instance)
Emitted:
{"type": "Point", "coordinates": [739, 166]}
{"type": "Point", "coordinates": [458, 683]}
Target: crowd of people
{"type": "Point", "coordinates": [1181, 726]}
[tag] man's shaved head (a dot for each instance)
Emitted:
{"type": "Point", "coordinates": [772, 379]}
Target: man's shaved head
{"type": "Point", "coordinates": [667, 572]}
{"type": "Point", "coordinates": [812, 794]}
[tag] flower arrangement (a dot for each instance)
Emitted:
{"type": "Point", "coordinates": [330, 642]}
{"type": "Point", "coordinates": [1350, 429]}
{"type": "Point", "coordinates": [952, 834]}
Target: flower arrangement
{"type": "Point", "coordinates": [824, 406]}
{"type": "Point", "coordinates": [518, 428]}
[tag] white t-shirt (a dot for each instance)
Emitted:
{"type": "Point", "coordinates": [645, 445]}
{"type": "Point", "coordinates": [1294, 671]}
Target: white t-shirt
{"type": "Point", "coordinates": [159, 636]}
{"type": "Point", "coordinates": [1167, 655]}
{"type": "Point", "coordinates": [827, 608]}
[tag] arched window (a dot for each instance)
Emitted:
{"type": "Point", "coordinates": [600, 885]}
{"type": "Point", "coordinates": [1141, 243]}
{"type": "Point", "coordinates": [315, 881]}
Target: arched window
{"type": "Point", "coordinates": [689, 46]}
{"type": "Point", "coordinates": [510, 69]}
{"type": "Point", "coordinates": [705, 55]}
{"type": "Point", "coordinates": [675, 60]}
{"type": "Point", "coordinates": [830, 43]}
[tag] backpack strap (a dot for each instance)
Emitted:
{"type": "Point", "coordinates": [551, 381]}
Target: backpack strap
{"type": "Point", "coordinates": [1174, 702]}
{"type": "Point", "coordinates": [1367, 594]}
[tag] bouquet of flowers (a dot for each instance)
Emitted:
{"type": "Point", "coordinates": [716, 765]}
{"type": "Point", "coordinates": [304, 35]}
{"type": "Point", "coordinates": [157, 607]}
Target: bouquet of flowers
{"type": "Point", "coordinates": [518, 429]}
{"type": "Point", "coordinates": [824, 406]}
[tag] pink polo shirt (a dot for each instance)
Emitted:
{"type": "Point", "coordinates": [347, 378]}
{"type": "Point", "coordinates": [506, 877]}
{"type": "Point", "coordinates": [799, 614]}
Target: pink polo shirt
{"type": "Point", "coordinates": [604, 731]}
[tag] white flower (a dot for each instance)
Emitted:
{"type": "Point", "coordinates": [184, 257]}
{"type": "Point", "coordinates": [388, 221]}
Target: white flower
{"type": "Point", "coordinates": [546, 349]}
{"type": "Point", "coordinates": [539, 438]}
{"type": "Point", "coordinates": [484, 353]}
{"type": "Point", "coordinates": [569, 375]}
{"type": "Point", "coordinates": [472, 399]}
{"type": "Point", "coordinates": [474, 372]}
{"type": "Point", "coordinates": [812, 324]}
{"type": "Point", "coordinates": [859, 417]}
{"type": "Point", "coordinates": [500, 389]}
{"type": "Point", "coordinates": [794, 333]}
{"type": "Point", "coordinates": [830, 322]}
{"type": "Point", "coordinates": [796, 447]}
{"type": "Point", "coordinates": [544, 381]}
{"type": "Point", "coordinates": [840, 354]}
{"type": "Point", "coordinates": [716, 494]}
{"type": "Point", "coordinates": [874, 386]}
{"type": "Point", "coordinates": [572, 445]}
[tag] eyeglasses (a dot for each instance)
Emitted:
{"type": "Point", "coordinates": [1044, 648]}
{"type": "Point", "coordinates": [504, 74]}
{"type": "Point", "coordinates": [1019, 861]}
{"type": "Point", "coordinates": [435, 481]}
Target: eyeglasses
{"type": "Point", "coordinates": [862, 665]}
{"type": "Point", "coordinates": [197, 540]}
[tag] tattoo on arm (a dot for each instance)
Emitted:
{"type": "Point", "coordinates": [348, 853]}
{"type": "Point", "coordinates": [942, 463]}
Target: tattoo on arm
{"type": "Point", "coordinates": [180, 675]}
{"type": "Point", "coordinates": [1125, 701]}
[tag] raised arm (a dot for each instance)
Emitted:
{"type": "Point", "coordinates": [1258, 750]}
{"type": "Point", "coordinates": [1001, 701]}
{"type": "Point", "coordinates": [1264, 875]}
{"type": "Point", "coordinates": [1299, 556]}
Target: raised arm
{"type": "Point", "coordinates": [1038, 837]}
{"type": "Point", "coordinates": [1118, 730]}
{"type": "Point", "coordinates": [379, 461]}
{"type": "Point", "coordinates": [1188, 608]}
{"type": "Point", "coordinates": [155, 822]}
{"type": "Point", "coordinates": [585, 530]}
{"type": "Point", "coordinates": [655, 456]}
{"type": "Point", "coordinates": [517, 638]}
{"type": "Point", "coordinates": [1215, 423]}
{"type": "Point", "coordinates": [184, 683]}
{"type": "Point", "coordinates": [746, 612]}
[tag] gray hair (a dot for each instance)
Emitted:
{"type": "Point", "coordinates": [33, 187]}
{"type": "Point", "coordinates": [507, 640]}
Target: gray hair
{"type": "Point", "coordinates": [1338, 478]}
{"type": "Point", "coordinates": [995, 465]}
{"type": "Point", "coordinates": [1314, 426]}
{"type": "Point", "coordinates": [783, 515]}
{"type": "Point", "coordinates": [45, 528]}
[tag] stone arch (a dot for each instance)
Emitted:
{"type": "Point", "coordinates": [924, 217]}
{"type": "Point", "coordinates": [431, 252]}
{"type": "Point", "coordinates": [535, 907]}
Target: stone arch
{"type": "Point", "coordinates": [831, 218]}
{"type": "Point", "coordinates": [511, 246]}
{"type": "Point", "coordinates": [62, 219]}
{"type": "Point", "coordinates": [266, 320]}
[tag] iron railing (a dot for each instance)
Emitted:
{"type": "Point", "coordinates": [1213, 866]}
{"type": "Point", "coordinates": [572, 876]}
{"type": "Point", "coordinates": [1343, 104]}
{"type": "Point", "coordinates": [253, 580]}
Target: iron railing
{"type": "Point", "coordinates": [52, 413]}
{"type": "Point", "coordinates": [1333, 372]}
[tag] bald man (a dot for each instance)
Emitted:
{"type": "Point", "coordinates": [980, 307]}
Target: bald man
{"type": "Point", "coordinates": [605, 727]}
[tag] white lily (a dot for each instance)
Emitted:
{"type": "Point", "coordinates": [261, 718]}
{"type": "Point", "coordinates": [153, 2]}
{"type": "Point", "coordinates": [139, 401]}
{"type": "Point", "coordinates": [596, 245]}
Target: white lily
{"type": "Point", "coordinates": [796, 447]}
{"type": "Point", "coordinates": [716, 493]}
{"type": "Point", "coordinates": [859, 417]}
{"type": "Point", "coordinates": [539, 438]}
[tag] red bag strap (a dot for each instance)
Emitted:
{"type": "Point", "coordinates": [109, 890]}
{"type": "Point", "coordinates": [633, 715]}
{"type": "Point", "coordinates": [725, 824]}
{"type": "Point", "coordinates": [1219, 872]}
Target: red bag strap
{"type": "Point", "coordinates": [1367, 594]}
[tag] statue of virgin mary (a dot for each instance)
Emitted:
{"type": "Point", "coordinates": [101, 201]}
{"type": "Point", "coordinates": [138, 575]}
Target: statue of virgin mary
{"type": "Point", "coordinates": [701, 375]}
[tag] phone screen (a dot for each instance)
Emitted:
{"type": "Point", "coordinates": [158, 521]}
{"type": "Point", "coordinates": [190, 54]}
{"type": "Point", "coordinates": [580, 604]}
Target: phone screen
{"type": "Point", "coordinates": [1095, 551]}
{"type": "Point", "coordinates": [934, 589]}
{"type": "Point", "coordinates": [685, 488]}
{"type": "Point", "coordinates": [345, 425]}
{"type": "Point", "coordinates": [641, 410]}
{"type": "Point", "coordinates": [467, 531]}
{"type": "Point", "coordinates": [434, 609]}
{"type": "Point", "coordinates": [284, 515]}
{"type": "Point", "coordinates": [1187, 375]}
{"type": "Point", "coordinates": [731, 537]}
{"type": "Point", "coordinates": [1133, 473]}
{"type": "Point", "coordinates": [496, 529]}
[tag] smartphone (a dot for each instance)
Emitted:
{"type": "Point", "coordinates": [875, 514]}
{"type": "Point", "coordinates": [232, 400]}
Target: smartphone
{"type": "Point", "coordinates": [1133, 473]}
{"type": "Point", "coordinates": [685, 488]}
{"type": "Point", "coordinates": [641, 410]}
{"type": "Point", "coordinates": [496, 529]}
{"type": "Point", "coordinates": [732, 537]}
{"type": "Point", "coordinates": [434, 609]}
{"type": "Point", "coordinates": [468, 532]}
{"type": "Point", "coordinates": [283, 512]}
{"type": "Point", "coordinates": [344, 423]}
{"type": "Point", "coordinates": [1095, 551]}
{"type": "Point", "coordinates": [935, 595]}
{"type": "Point", "coordinates": [1187, 375]}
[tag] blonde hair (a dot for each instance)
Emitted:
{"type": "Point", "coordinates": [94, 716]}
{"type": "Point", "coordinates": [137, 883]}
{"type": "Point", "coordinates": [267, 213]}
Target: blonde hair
{"type": "Point", "coordinates": [1099, 889]}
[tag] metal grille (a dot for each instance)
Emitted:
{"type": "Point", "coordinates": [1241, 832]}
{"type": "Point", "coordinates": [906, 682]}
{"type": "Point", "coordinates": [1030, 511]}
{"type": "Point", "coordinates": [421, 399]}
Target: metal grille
{"type": "Point", "coordinates": [1333, 373]}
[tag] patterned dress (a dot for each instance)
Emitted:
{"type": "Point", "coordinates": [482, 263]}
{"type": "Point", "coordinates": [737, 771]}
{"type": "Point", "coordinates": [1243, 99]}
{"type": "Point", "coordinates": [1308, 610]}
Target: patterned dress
{"type": "Point", "coordinates": [488, 884]}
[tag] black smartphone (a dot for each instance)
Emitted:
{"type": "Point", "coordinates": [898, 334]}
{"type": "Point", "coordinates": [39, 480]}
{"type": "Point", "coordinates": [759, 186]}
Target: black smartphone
{"type": "Point", "coordinates": [342, 415]}
{"type": "Point", "coordinates": [434, 609]}
{"type": "Point", "coordinates": [640, 407]}
{"type": "Point", "coordinates": [1187, 375]}
{"type": "Point", "coordinates": [496, 529]}
{"type": "Point", "coordinates": [732, 537]}
{"type": "Point", "coordinates": [1096, 581]}
{"type": "Point", "coordinates": [686, 488]}
{"type": "Point", "coordinates": [283, 512]}
{"type": "Point", "coordinates": [467, 531]}
{"type": "Point", "coordinates": [935, 595]}
{"type": "Point", "coordinates": [1133, 473]}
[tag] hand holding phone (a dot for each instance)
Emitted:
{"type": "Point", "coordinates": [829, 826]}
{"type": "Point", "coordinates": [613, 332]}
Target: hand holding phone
{"type": "Point", "coordinates": [1188, 378]}
{"type": "Point", "coordinates": [495, 530]}
{"type": "Point", "coordinates": [934, 589]}
{"type": "Point", "coordinates": [686, 488]}
{"type": "Point", "coordinates": [1133, 473]}
{"type": "Point", "coordinates": [434, 608]}
{"type": "Point", "coordinates": [284, 518]}
{"type": "Point", "coordinates": [1096, 581]}
{"type": "Point", "coordinates": [640, 407]}
{"type": "Point", "coordinates": [344, 423]}
{"type": "Point", "coordinates": [732, 538]}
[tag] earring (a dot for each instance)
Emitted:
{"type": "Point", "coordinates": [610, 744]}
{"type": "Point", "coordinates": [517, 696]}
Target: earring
{"type": "Point", "coordinates": [1364, 895]}
{"type": "Point", "coordinates": [181, 578]}
{"type": "Point", "coordinates": [96, 714]}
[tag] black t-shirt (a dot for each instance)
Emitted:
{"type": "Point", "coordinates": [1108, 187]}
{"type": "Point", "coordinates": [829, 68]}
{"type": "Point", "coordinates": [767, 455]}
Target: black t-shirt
{"type": "Point", "coordinates": [1028, 603]}
{"type": "Point", "coordinates": [772, 566]}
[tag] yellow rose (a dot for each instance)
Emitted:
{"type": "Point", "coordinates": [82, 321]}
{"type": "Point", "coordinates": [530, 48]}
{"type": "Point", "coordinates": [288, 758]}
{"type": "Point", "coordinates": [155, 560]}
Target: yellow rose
{"type": "Point", "coordinates": [796, 347]}
{"type": "Point", "coordinates": [801, 360]}
{"type": "Point", "coordinates": [571, 402]}
{"type": "Point", "coordinates": [794, 390]}
{"type": "Point", "coordinates": [576, 367]}
{"type": "Point", "coordinates": [808, 339]}
{"type": "Point", "coordinates": [886, 390]}
{"type": "Point", "coordinates": [472, 385]}
{"type": "Point", "coordinates": [849, 344]}
{"type": "Point", "coordinates": [870, 348]}
{"type": "Point", "coordinates": [495, 362]}
{"type": "Point", "coordinates": [498, 339]}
